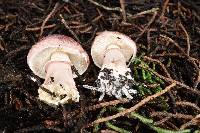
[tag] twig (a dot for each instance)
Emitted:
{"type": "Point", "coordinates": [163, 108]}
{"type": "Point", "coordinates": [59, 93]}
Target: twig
{"type": "Point", "coordinates": [39, 128]}
{"type": "Point", "coordinates": [87, 24]}
{"type": "Point", "coordinates": [105, 104]}
{"type": "Point", "coordinates": [141, 103]}
{"type": "Point", "coordinates": [48, 17]}
{"type": "Point", "coordinates": [146, 27]}
{"type": "Point", "coordinates": [162, 120]}
{"type": "Point", "coordinates": [158, 62]}
{"type": "Point", "coordinates": [37, 7]}
{"type": "Point", "coordinates": [182, 103]}
{"type": "Point", "coordinates": [192, 60]}
{"type": "Point", "coordinates": [194, 121]}
{"type": "Point", "coordinates": [87, 29]}
{"type": "Point", "coordinates": [196, 83]}
{"type": "Point", "coordinates": [16, 51]}
{"type": "Point", "coordinates": [39, 28]}
{"type": "Point", "coordinates": [171, 80]}
{"type": "Point", "coordinates": [177, 115]}
{"type": "Point", "coordinates": [172, 41]}
{"type": "Point", "coordinates": [122, 3]}
{"type": "Point", "coordinates": [1, 44]}
{"type": "Point", "coordinates": [153, 10]}
{"type": "Point", "coordinates": [66, 26]}
{"type": "Point", "coordinates": [105, 7]}
{"type": "Point", "coordinates": [196, 15]}
{"type": "Point", "coordinates": [187, 38]}
{"type": "Point", "coordinates": [92, 37]}
{"type": "Point", "coordinates": [164, 8]}
{"type": "Point", "coordinates": [180, 55]}
{"type": "Point", "coordinates": [108, 131]}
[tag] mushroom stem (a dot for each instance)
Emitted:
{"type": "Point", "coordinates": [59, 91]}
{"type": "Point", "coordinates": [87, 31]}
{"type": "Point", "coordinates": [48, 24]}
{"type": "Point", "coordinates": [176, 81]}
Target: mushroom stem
{"type": "Point", "coordinates": [59, 81]}
{"type": "Point", "coordinates": [114, 58]}
{"type": "Point", "coordinates": [115, 77]}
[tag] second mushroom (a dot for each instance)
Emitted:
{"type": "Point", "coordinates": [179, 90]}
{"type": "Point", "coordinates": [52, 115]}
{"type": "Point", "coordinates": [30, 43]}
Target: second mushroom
{"type": "Point", "coordinates": [110, 51]}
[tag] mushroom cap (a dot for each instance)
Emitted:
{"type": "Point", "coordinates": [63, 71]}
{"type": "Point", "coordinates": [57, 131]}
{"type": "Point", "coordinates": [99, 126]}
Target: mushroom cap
{"type": "Point", "coordinates": [107, 38]}
{"type": "Point", "coordinates": [41, 52]}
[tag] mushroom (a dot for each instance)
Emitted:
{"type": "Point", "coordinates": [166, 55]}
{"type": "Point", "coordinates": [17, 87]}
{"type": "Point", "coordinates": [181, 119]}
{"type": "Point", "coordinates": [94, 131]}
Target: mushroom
{"type": "Point", "coordinates": [52, 59]}
{"type": "Point", "coordinates": [110, 51]}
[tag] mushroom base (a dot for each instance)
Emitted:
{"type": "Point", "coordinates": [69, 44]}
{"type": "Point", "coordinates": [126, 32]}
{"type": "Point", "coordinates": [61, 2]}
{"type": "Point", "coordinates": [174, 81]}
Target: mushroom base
{"type": "Point", "coordinates": [114, 83]}
{"type": "Point", "coordinates": [56, 94]}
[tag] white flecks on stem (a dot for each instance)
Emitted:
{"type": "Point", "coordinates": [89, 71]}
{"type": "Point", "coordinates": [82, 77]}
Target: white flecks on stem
{"type": "Point", "coordinates": [115, 77]}
{"type": "Point", "coordinates": [113, 83]}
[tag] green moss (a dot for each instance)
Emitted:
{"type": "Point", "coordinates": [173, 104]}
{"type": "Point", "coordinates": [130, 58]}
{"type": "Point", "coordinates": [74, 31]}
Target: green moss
{"type": "Point", "coordinates": [115, 128]}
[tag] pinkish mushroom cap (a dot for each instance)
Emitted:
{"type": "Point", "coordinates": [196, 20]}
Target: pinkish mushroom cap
{"type": "Point", "coordinates": [41, 53]}
{"type": "Point", "coordinates": [107, 38]}
{"type": "Point", "coordinates": [51, 58]}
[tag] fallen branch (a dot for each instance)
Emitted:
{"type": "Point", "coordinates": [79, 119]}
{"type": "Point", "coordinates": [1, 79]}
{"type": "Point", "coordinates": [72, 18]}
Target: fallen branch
{"type": "Point", "coordinates": [134, 108]}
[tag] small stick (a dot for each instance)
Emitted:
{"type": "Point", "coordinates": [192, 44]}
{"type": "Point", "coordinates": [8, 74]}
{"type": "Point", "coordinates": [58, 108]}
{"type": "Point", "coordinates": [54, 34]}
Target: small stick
{"type": "Point", "coordinates": [153, 10]}
{"type": "Point", "coordinates": [187, 38]}
{"type": "Point", "coordinates": [177, 115]}
{"type": "Point", "coordinates": [182, 103]}
{"type": "Point", "coordinates": [66, 26]}
{"type": "Point", "coordinates": [48, 17]}
{"type": "Point", "coordinates": [158, 62]}
{"type": "Point", "coordinates": [190, 59]}
{"type": "Point", "coordinates": [194, 121]}
{"type": "Point", "coordinates": [39, 28]}
{"type": "Point", "coordinates": [172, 80]}
{"type": "Point", "coordinates": [146, 27]}
{"type": "Point", "coordinates": [172, 41]}
{"type": "Point", "coordinates": [179, 55]}
{"type": "Point", "coordinates": [164, 8]}
{"type": "Point", "coordinates": [105, 104]}
{"type": "Point", "coordinates": [196, 83]}
{"type": "Point", "coordinates": [132, 109]}
{"type": "Point", "coordinates": [162, 120]}
{"type": "Point", "coordinates": [122, 3]}
{"type": "Point", "coordinates": [1, 42]}
{"type": "Point", "coordinates": [105, 7]}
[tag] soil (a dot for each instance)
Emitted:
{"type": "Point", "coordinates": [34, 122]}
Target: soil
{"type": "Point", "coordinates": [167, 33]}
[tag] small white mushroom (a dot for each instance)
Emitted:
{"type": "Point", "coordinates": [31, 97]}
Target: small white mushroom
{"type": "Point", "coordinates": [110, 51]}
{"type": "Point", "coordinates": [52, 58]}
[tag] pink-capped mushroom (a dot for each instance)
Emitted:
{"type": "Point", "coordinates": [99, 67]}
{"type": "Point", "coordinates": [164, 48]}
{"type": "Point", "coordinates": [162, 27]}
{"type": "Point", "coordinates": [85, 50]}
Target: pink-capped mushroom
{"type": "Point", "coordinates": [110, 51]}
{"type": "Point", "coordinates": [52, 59]}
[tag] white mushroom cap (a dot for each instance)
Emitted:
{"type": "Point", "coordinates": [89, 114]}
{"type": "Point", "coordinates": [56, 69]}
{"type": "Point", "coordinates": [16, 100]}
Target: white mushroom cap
{"type": "Point", "coordinates": [105, 39]}
{"type": "Point", "coordinates": [41, 53]}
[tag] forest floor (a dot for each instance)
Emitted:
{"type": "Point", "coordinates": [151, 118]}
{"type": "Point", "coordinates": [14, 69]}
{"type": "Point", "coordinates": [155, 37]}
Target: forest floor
{"type": "Point", "coordinates": [167, 66]}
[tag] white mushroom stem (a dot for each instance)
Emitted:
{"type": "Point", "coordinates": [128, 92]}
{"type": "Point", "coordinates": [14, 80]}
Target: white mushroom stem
{"type": "Point", "coordinates": [59, 86]}
{"type": "Point", "coordinates": [115, 77]}
{"type": "Point", "coordinates": [114, 59]}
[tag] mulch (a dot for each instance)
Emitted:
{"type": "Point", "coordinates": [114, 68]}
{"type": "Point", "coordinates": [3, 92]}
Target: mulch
{"type": "Point", "coordinates": [167, 33]}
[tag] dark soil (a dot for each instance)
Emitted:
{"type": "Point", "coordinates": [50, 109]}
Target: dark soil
{"type": "Point", "coordinates": [168, 37]}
